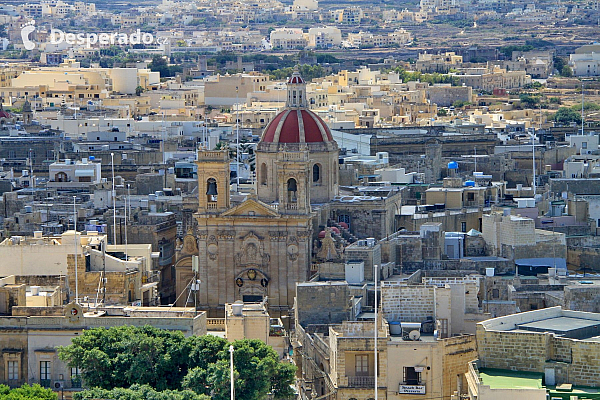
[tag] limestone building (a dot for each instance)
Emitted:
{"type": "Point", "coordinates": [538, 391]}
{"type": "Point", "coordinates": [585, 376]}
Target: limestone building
{"type": "Point", "coordinates": [30, 337]}
{"type": "Point", "coordinates": [551, 353]}
{"type": "Point", "coordinates": [261, 247]}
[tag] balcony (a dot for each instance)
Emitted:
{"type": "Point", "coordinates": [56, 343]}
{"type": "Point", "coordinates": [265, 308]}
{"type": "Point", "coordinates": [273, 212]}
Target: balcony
{"type": "Point", "coordinates": [361, 381]}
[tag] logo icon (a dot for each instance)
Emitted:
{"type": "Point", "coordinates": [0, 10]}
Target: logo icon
{"type": "Point", "coordinates": [25, 32]}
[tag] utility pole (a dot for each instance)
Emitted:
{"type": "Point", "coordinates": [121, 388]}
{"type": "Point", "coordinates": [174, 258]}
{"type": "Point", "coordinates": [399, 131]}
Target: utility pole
{"type": "Point", "coordinates": [129, 202]}
{"type": "Point", "coordinates": [125, 221]}
{"type": "Point", "coordinates": [237, 151]}
{"type": "Point", "coordinates": [533, 155]}
{"type": "Point", "coordinates": [231, 372]}
{"type": "Point", "coordinates": [376, 273]}
{"type": "Point", "coordinates": [582, 114]}
{"type": "Point", "coordinates": [76, 249]}
{"type": "Point", "coordinates": [114, 196]}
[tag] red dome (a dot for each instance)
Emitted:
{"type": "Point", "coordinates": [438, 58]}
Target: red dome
{"type": "Point", "coordinates": [295, 78]}
{"type": "Point", "coordinates": [335, 229]}
{"type": "Point", "coordinates": [322, 234]}
{"type": "Point", "coordinates": [297, 126]}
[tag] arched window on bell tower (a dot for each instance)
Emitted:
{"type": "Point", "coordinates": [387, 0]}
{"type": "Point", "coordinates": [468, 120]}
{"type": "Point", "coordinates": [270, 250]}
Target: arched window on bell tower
{"type": "Point", "coordinates": [263, 174]}
{"type": "Point", "coordinates": [316, 173]}
{"type": "Point", "coordinates": [211, 191]}
{"type": "Point", "coordinates": [292, 190]}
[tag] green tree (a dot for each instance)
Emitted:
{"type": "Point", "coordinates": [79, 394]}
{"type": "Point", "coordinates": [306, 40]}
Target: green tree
{"type": "Point", "coordinates": [555, 100]}
{"type": "Point", "coordinates": [587, 106]}
{"type": "Point", "coordinates": [565, 115]}
{"type": "Point", "coordinates": [566, 71]}
{"type": "Point", "coordinates": [460, 103]}
{"type": "Point", "coordinates": [442, 112]}
{"type": "Point", "coordinates": [26, 392]}
{"type": "Point", "coordinates": [159, 64]}
{"type": "Point", "coordinates": [508, 50]}
{"type": "Point", "coordinates": [125, 355]}
{"type": "Point", "coordinates": [138, 392]}
{"type": "Point", "coordinates": [528, 100]}
{"type": "Point", "coordinates": [559, 63]}
{"type": "Point", "coordinates": [257, 373]}
{"type": "Point", "coordinates": [165, 361]}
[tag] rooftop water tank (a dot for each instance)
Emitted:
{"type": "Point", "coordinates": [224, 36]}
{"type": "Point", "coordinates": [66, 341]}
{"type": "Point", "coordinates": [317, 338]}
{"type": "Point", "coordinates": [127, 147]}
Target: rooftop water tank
{"type": "Point", "coordinates": [452, 165]}
{"type": "Point", "coordinates": [237, 308]}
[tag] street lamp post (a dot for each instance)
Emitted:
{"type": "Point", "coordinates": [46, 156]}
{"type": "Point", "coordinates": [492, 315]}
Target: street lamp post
{"type": "Point", "coordinates": [76, 249]}
{"type": "Point", "coordinates": [231, 372]}
{"type": "Point", "coordinates": [376, 273]}
{"type": "Point", "coordinates": [237, 134]}
{"type": "Point", "coordinates": [114, 196]}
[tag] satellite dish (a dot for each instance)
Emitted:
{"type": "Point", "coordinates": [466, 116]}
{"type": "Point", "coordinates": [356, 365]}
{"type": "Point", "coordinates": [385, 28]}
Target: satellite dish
{"type": "Point", "coordinates": [414, 335]}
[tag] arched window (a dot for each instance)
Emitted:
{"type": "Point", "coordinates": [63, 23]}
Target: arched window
{"type": "Point", "coordinates": [316, 173]}
{"type": "Point", "coordinates": [60, 177]}
{"type": "Point", "coordinates": [211, 190]}
{"type": "Point", "coordinates": [263, 174]}
{"type": "Point", "coordinates": [292, 189]}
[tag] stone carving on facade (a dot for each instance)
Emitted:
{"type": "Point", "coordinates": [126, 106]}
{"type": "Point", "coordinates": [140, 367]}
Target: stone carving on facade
{"type": "Point", "coordinates": [252, 252]}
{"type": "Point", "coordinates": [328, 249]}
{"type": "Point", "coordinates": [278, 236]}
{"type": "Point", "coordinates": [213, 251]}
{"type": "Point", "coordinates": [226, 234]}
{"type": "Point", "coordinates": [303, 235]}
{"type": "Point", "coordinates": [190, 246]}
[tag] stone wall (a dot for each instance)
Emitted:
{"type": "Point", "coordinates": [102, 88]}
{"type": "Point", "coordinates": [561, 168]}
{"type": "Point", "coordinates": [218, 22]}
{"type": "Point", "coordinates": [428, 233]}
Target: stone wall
{"type": "Point", "coordinates": [529, 351]}
{"type": "Point", "coordinates": [445, 96]}
{"type": "Point", "coordinates": [579, 186]}
{"type": "Point", "coordinates": [523, 351]}
{"type": "Point", "coordinates": [457, 353]}
{"type": "Point", "coordinates": [407, 303]}
{"type": "Point", "coordinates": [501, 266]}
{"type": "Point", "coordinates": [583, 298]}
{"type": "Point", "coordinates": [312, 298]}
{"type": "Point", "coordinates": [370, 255]}
{"type": "Point", "coordinates": [331, 271]}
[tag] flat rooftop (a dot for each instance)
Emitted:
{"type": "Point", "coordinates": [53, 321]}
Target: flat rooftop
{"type": "Point", "coordinates": [567, 324]}
{"type": "Point", "coordinates": [505, 379]}
{"type": "Point", "coordinates": [574, 328]}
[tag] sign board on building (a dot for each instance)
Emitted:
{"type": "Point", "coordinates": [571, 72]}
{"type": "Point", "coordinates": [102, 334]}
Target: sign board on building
{"type": "Point", "coordinates": [411, 389]}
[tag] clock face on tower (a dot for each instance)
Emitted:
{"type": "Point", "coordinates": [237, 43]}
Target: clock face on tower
{"type": "Point", "coordinates": [73, 312]}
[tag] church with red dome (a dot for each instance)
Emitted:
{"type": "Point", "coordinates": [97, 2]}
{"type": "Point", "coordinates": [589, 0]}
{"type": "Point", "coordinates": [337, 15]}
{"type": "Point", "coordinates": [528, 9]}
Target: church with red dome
{"type": "Point", "coordinates": [297, 129]}
{"type": "Point", "coordinates": [260, 248]}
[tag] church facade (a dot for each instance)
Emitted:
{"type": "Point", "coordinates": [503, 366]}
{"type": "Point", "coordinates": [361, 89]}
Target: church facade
{"type": "Point", "coordinates": [261, 247]}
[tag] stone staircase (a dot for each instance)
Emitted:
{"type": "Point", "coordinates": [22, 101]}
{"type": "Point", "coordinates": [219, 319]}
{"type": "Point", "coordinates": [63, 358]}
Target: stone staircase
{"type": "Point", "coordinates": [345, 237]}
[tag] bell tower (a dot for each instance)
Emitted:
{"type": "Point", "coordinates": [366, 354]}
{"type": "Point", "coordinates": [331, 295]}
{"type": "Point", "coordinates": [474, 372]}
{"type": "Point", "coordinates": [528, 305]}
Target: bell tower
{"type": "Point", "coordinates": [213, 181]}
{"type": "Point", "coordinates": [293, 181]}
{"type": "Point", "coordinates": [27, 113]}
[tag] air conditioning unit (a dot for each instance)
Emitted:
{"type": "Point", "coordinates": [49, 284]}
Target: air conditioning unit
{"type": "Point", "coordinates": [58, 385]}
